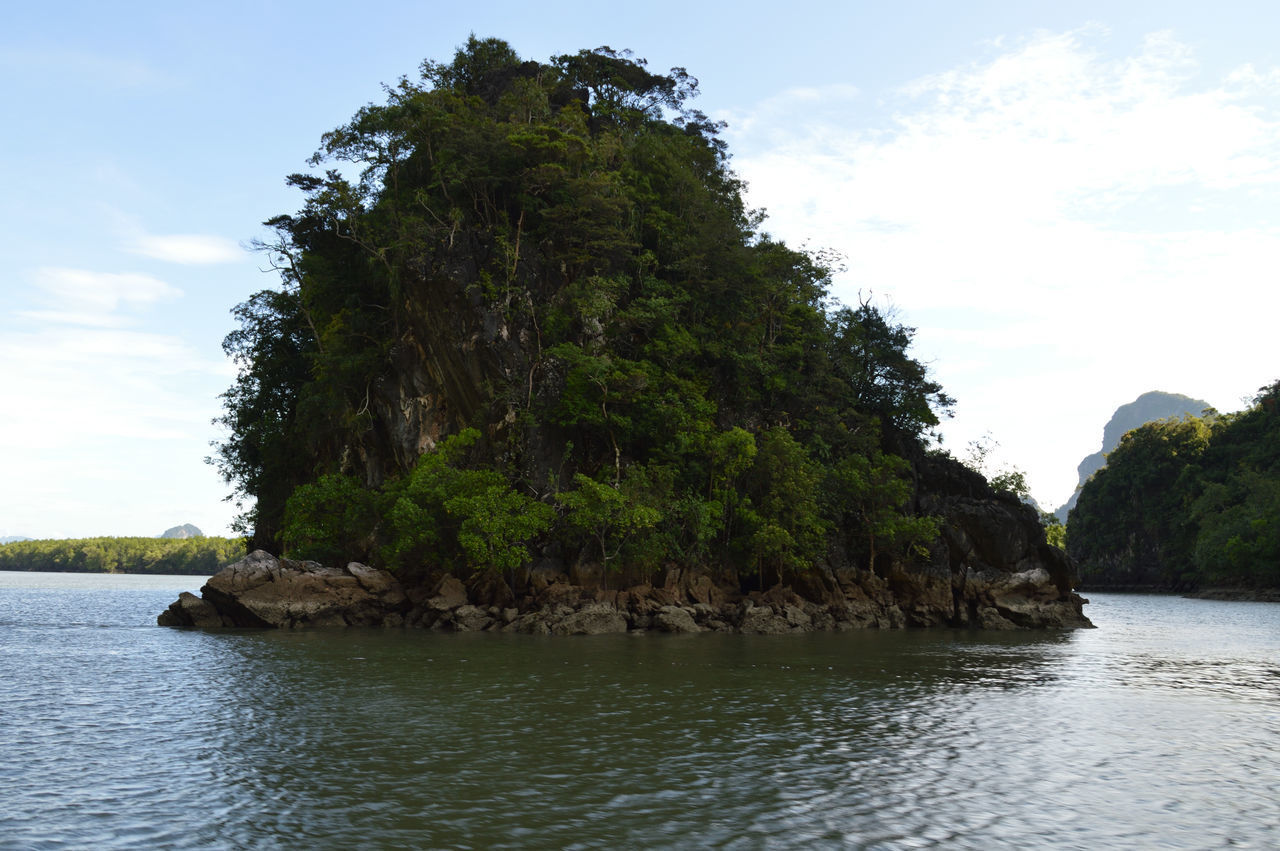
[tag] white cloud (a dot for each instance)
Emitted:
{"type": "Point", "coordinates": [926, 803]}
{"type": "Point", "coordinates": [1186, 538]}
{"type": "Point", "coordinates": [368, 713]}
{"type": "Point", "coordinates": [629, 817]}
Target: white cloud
{"type": "Point", "coordinates": [80, 291]}
{"type": "Point", "coordinates": [69, 383]}
{"type": "Point", "coordinates": [103, 401]}
{"type": "Point", "coordinates": [187, 248]}
{"type": "Point", "coordinates": [1075, 228]}
{"type": "Point", "coordinates": [71, 317]}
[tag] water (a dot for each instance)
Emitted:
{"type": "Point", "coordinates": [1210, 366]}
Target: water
{"type": "Point", "coordinates": [1159, 728]}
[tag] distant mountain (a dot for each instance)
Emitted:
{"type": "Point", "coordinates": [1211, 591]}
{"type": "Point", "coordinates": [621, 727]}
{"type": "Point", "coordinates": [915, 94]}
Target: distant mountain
{"type": "Point", "coordinates": [11, 538]}
{"type": "Point", "coordinates": [186, 530]}
{"type": "Point", "coordinates": [1148, 407]}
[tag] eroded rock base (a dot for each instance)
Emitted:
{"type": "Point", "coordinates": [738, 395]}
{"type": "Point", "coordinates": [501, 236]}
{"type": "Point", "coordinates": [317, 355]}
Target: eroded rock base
{"type": "Point", "coordinates": [263, 591]}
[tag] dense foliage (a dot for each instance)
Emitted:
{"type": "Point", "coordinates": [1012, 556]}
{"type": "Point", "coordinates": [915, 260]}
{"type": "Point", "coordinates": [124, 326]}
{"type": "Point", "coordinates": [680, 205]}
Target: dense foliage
{"type": "Point", "coordinates": [542, 320]}
{"type": "Point", "coordinates": [1186, 503]}
{"type": "Point", "coordinates": [198, 556]}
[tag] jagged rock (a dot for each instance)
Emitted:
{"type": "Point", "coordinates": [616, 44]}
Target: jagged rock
{"type": "Point", "coordinates": [592, 619]}
{"type": "Point", "coordinates": [490, 589]}
{"type": "Point", "coordinates": [705, 611]}
{"type": "Point", "coordinates": [1150, 406]}
{"type": "Point", "coordinates": [376, 582]}
{"type": "Point", "coordinates": [563, 594]}
{"type": "Point", "coordinates": [797, 617]}
{"type": "Point", "coordinates": [450, 593]}
{"type": "Point", "coordinates": [263, 591]}
{"type": "Point", "coordinates": [701, 589]}
{"type": "Point", "coordinates": [190, 610]}
{"type": "Point", "coordinates": [545, 572]}
{"type": "Point", "coordinates": [762, 620]}
{"type": "Point", "coordinates": [987, 617]}
{"type": "Point", "coordinates": [675, 619]}
{"type": "Point", "coordinates": [991, 567]}
{"type": "Point", "coordinates": [470, 618]}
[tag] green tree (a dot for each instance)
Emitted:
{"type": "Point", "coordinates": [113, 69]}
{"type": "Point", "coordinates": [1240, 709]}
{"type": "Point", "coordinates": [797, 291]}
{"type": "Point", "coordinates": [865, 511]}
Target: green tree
{"type": "Point", "coordinates": [452, 515]}
{"type": "Point", "coordinates": [871, 356]}
{"type": "Point", "coordinates": [264, 458]}
{"type": "Point", "coordinates": [497, 524]}
{"type": "Point", "coordinates": [780, 513]}
{"type": "Point", "coordinates": [331, 520]}
{"type": "Point", "coordinates": [609, 514]}
{"type": "Point", "coordinates": [1129, 524]}
{"type": "Point", "coordinates": [871, 492]}
{"type": "Point", "coordinates": [1055, 533]}
{"type": "Point", "coordinates": [1238, 540]}
{"type": "Point", "coordinates": [1004, 479]}
{"type": "Point", "coordinates": [201, 556]}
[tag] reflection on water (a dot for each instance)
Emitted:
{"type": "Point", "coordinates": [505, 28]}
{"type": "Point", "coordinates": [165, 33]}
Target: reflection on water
{"type": "Point", "coordinates": [1161, 727]}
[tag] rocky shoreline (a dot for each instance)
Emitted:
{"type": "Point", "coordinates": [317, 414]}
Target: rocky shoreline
{"type": "Point", "coordinates": [989, 568]}
{"type": "Point", "coordinates": [263, 591]}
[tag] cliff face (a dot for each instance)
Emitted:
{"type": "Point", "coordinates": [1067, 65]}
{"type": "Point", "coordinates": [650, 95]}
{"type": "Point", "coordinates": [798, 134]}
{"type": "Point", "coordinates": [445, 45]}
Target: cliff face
{"type": "Point", "coordinates": [992, 557]}
{"type": "Point", "coordinates": [441, 377]}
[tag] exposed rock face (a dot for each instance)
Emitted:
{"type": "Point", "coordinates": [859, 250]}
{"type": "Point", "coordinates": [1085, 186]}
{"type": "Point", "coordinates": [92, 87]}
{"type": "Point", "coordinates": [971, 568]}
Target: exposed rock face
{"type": "Point", "coordinates": [985, 573]}
{"type": "Point", "coordinates": [264, 591]}
{"type": "Point", "coordinates": [591, 619]}
{"type": "Point", "coordinates": [675, 619]}
{"type": "Point", "coordinates": [190, 610]}
{"type": "Point", "coordinates": [992, 567]}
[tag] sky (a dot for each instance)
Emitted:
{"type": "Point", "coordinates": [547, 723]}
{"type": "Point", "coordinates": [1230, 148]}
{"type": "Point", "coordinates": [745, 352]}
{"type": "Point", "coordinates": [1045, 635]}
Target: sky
{"type": "Point", "coordinates": [1072, 204]}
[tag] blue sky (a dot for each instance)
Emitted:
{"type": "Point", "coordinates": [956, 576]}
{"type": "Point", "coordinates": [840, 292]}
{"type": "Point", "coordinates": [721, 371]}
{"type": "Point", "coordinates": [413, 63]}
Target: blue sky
{"type": "Point", "coordinates": [1072, 203]}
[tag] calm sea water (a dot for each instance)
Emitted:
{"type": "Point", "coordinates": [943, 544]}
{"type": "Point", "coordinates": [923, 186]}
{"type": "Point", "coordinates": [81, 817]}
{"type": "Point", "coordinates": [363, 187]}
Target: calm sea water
{"type": "Point", "coordinates": [1160, 728]}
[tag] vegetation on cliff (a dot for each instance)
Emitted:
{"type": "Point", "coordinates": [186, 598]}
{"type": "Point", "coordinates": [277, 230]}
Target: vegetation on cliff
{"type": "Point", "coordinates": [1186, 503]}
{"type": "Point", "coordinates": [194, 556]}
{"type": "Point", "coordinates": [525, 311]}
{"type": "Point", "coordinates": [1150, 406]}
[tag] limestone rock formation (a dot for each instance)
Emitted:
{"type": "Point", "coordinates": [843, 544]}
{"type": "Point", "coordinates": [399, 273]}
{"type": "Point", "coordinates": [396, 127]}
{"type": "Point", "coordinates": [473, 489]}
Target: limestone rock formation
{"type": "Point", "coordinates": [1155, 405]}
{"type": "Point", "coordinates": [990, 570]}
{"type": "Point", "coordinates": [992, 567]}
{"type": "Point", "coordinates": [264, 591]}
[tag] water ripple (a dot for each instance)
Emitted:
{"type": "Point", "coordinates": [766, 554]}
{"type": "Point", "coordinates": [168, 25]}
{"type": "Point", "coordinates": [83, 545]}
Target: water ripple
{"type": "Point", "coordinates": [1157, 729]}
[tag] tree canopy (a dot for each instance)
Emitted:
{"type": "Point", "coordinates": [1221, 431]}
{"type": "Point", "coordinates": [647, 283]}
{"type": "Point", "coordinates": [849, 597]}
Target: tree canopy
{"type": "Point", "coordinates": [524, 308]}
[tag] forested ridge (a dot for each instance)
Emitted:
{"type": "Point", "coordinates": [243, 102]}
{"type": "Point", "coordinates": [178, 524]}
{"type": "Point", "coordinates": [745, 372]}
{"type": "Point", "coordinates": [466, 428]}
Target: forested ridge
{"type": "Point", "coordinates": [201, 556]}
{"type": "Point", "coordinates": [1186, 503]}
{"type": "Point", "coordinates": [542, 323]}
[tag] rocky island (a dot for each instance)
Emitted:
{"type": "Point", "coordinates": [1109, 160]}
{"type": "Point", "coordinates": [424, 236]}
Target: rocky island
{"type": "Point", "coordinates": [990, 569]}
{"type": "Point", "coordinates": [539, 368]}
